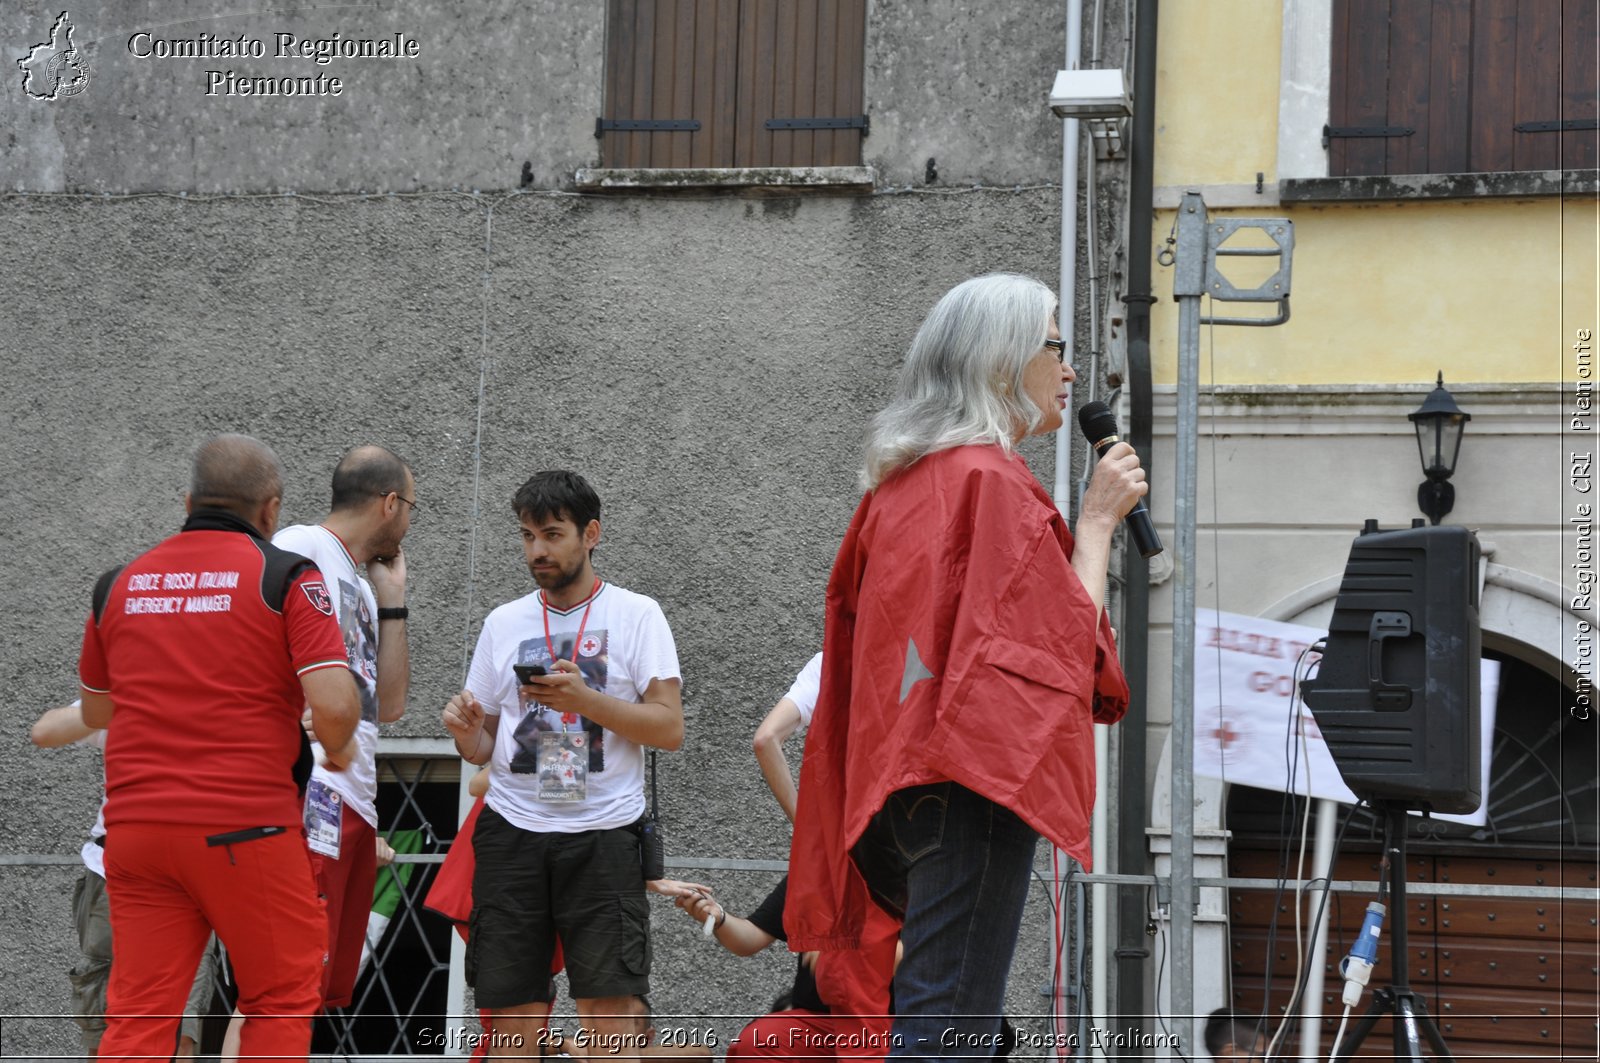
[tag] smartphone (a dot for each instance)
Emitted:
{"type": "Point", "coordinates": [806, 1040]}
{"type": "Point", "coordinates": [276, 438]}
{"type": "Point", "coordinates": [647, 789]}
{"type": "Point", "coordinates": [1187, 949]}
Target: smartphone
{"type": "Point", "coordinates": [526, 672]}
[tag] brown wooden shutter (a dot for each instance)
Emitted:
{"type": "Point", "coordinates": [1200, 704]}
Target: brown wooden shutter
{"type": "Point", "coordinates": [666, 61]}
{"type": "Point", "coordinates": [1461, 77]}
{"type": "Point", "coordinates": [732, 66]}
{"type": "Point", "coordinates": [1580, 83]}
{"type": "Point", "coordinates": [1449, 60]}
{"type": "Point", "coordinates": [1358, 84]}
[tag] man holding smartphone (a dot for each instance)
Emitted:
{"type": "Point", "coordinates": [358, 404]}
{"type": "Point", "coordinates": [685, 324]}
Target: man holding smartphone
{"type": "Point", "coordinates": [374, 493]}
{"type": "Point", "coordinates": [566, 688]}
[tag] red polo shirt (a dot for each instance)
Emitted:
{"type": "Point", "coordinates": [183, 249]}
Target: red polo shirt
{"type": "Point", "coordinates": [205, 676]}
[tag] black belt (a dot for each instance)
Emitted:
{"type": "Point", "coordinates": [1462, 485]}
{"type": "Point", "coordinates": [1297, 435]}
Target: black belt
{"type": "Point", "coordinates": [234, 837]}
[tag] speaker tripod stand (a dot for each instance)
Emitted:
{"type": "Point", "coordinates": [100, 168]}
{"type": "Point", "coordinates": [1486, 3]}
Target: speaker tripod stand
{"type": "Point", "coordinates": [1412, 1023]}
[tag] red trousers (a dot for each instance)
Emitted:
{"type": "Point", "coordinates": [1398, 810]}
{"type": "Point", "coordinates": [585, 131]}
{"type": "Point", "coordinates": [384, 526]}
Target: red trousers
{"type": "Point", "coordinates": [168, 891]}
{"type": "Point", "coordinates": [346, 888]}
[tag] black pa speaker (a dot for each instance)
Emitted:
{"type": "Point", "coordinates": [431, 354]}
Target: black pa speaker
{"type": "Point", "coordinates": [1396, 695]}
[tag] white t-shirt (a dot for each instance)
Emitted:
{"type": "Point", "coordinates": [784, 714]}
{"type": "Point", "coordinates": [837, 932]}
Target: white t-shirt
{"type": "Point", "coordinates": [626, 644]}
{"type": "Point", "coordinates": [356, 609]}
{"type": "Point", "coordinates": [807, 688]}
{"type": "Point", "coordinates": [93, 853]}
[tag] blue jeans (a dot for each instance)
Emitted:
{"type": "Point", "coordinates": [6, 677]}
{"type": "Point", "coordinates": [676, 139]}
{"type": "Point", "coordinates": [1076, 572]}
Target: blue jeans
{"type": "Point", "coordinates": [957, 865]}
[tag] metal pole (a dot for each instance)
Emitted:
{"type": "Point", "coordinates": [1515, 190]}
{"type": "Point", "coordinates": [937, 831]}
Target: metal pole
{"type": "Point", "coordinates": [1188, 285]}
{"type": "Point", "coordinates": [1311, 1003]}
{"type": "Point", "coordinates": [1067, 319]}
{"type": "Point", "coordinates": [1133, 793]}
{"type": "Point", "coordinates": [1067, 312]}
{"type": "Point", "coordinates": [455, 1005]}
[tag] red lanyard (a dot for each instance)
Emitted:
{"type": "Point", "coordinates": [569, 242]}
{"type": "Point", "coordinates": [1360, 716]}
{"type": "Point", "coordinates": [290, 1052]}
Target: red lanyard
{"type": "Point", "coordinates": [545, 605]}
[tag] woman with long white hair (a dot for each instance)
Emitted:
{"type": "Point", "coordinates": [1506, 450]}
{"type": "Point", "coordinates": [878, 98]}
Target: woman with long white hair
{"type": "Point", "coordinates": [966, 657]}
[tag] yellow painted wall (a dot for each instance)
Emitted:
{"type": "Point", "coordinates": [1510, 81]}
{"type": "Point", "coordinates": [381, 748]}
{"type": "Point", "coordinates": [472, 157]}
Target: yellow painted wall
{"type": "Point", "coordinates": [1580, 256]}
{"type": "Point", "coordinates": [1217, 65]}
{"type": "Point", "coordinates": [1394, 292]}
{"type": "Point", "coordinates": [1488, 290]}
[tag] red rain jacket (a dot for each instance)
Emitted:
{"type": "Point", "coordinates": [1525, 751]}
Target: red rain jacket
{"type": "Point", "coordinates": [959, 646]}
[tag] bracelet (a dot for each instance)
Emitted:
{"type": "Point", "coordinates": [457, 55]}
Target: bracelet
{"type": "Point", "coordinates": [397, 613]}
{"type": "Point", "coordinates": [722, 918]}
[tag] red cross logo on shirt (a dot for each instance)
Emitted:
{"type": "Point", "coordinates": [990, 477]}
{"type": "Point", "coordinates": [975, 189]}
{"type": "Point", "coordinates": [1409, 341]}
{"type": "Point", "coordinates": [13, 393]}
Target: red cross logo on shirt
{"type": "Point", "coordinates": [589, 646]}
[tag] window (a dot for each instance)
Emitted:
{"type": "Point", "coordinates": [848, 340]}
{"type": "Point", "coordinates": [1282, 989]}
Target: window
{"type": "Point", "coordinates": [1457, 86]}
{"type": "Point", "coordinates": [733, 83]}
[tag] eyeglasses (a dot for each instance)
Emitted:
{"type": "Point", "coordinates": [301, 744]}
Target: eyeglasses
{"type": "Point", "coordinates": [397, 494]}
{"type": "Point", "coordinates": [1060, 349]}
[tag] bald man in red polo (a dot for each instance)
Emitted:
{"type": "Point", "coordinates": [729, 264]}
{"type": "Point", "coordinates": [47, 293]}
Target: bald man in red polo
{"type": "Point", "coordinates": [199, 656]}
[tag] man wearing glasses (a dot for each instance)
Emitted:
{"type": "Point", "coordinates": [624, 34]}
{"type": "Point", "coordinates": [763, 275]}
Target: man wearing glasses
{"type": "Point", "coordinates": [373, 497]}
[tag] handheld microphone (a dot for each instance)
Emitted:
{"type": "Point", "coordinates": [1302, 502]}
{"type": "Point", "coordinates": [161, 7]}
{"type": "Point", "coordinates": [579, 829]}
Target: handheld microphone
{"type": "Point", "coordinates": [1099, 426]}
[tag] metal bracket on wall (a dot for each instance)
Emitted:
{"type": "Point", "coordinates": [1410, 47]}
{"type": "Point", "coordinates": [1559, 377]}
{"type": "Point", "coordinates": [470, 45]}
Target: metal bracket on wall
{"type": "Point", "coordinates": [1570, 125]}
{"type": "Point", "coordinates": [860, 121]}
{"type": "Point", "coordinates": [1330, 132]}
{"type": "Point", "coordinates": [645, 125]}
{"type": "Point", "coordinates": [1275, 289]}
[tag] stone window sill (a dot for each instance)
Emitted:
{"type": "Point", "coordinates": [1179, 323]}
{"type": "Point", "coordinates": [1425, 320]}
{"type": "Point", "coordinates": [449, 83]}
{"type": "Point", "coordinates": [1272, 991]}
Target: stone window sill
{"type": "Point", "coordinates": [824, 178]}
{"type": "Point", "coordinates": [1439, 186]}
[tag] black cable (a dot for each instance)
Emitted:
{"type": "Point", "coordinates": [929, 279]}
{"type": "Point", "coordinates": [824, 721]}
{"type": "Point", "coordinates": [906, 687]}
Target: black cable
{"type": "Point", "coordinates": [1287, 817]}
{"type": "Point", "coordinates": [1322, 905]}
{"type": "Point", "coordinates": [1078, 1019]}
{"type": "Point", "coordinates": [655, 810]}
{"type": "Point", "coordinates": [1048, 892]}
{"type": "Point", "coordinates": [1055, 959]}
{"type": "Point", "coordinates": [1162, 964]}
{"type": "Point", "coordinates": [1175, 1042]}
{"type": "Point", "coordinates": [1385, 866]}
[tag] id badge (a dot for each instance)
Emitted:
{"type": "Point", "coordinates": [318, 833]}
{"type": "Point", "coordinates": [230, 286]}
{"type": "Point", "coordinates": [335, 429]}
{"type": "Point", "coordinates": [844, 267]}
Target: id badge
{"type": "Point", "coordinates": [322, 815]}
{"type": "Point", "coordinates": [563, 765]}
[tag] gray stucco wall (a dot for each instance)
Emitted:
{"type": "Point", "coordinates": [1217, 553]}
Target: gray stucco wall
{"type": "Point", "coordinates": [493, 86]}
{"type": "Point", "coordinates": [708, 363]}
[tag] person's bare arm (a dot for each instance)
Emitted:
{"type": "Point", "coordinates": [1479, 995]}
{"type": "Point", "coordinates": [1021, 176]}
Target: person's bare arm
{"type": "Point", "coordinates": [388, 577]}
{"type": "Point", "coordinates": [473, 729]}
{"type": "Point", "coordinates": [674, 888]}
{"type": "Point", "coordinates": [739, 936]}
{"type": "Point", "coordinates": [60, 727]}
{"type": "Point", "coordinates": [335, 710]}
{"type": "Point", "coordinates": [384, 852]}
{"type": "Point", "coordinates": [781, 722]}
{"type": "Point", "coordinates": [1118, 483]}
{"type": "Point", "coordinates": [656, 721]}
